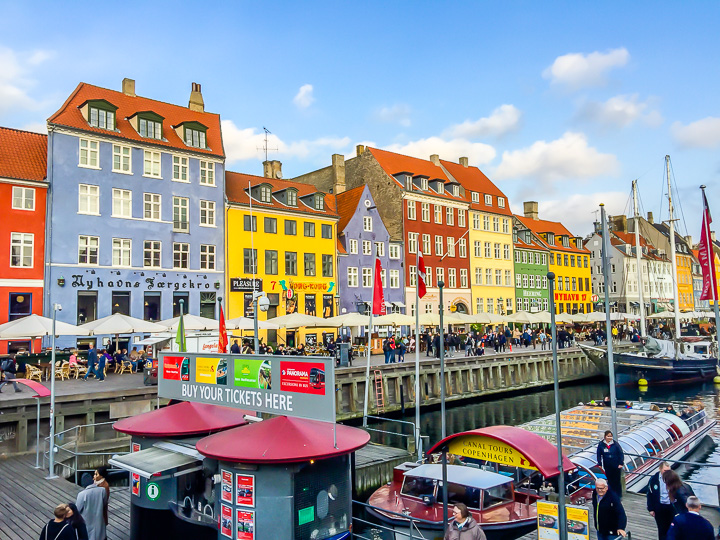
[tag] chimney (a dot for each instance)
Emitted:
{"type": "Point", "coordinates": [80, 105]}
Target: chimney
{"type": "Point", "coordinates": [360, 149]}
{"type": "Point", "coordinates": [619, 223]}
{"type": "Point", "coordinates": [530, 209]}
{"type": "Point", "coordinates": [128, 87]}
{"type": "Point", "coordinates": [267, 169]}
{"type": "Point", "coordinates": [196, 102]}
{"type": "Point", "coordinates": [435, 159]}
{"type": "Point", "coordinates": [712, 235]}
{"type": "Point", "coordinates": [338, 171]}
{"type": "Point", "coordinates": [463, 161]}
{"type": "Point", "coordinates": [276, 169]}
{"type": "Point", "coordinates": [688, 239]}
{"type": "Point", "coordinates": [650, 218]}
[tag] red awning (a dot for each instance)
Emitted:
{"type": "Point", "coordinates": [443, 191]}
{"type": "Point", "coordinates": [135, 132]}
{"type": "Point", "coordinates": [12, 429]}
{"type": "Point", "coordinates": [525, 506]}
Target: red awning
{"type": "Point", "coordinates": [282, 440]}
{"type": "Point", "coordinates": [539, 452]}
{"type": "Point", "coordinates": [182, 419]}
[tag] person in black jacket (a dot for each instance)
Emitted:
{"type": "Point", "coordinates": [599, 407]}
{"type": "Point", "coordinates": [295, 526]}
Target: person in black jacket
{"type": "Point", "coordinates": [691, 526]}
{"type": "Point", "coordinates": [58, 529]}
{"type": "Point", "coordinates": [677, 491]}
{"type": "Point", "coordinates": [9, 368]}
{"type": "Point", "coordinates": [608, 512]}
{"type": "Point", "coordinates": [658, 501]}
{"type": "Point", "coordinates": [612, 459]}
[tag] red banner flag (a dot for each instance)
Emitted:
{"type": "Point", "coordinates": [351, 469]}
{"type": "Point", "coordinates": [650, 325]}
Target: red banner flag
{"type": "Point", "coordinates": [421, 275]}
{"type": "Point", "coordinates": [223, 340]}
{"type": "Point", "coordinates": [378, 296]}
{"type": "Point", "coordinates": [707, 257]}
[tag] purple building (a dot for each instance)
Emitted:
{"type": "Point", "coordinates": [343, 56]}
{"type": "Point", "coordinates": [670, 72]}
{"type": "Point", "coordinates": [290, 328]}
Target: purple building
{"type": "Point", "coordinates": [361, 237]}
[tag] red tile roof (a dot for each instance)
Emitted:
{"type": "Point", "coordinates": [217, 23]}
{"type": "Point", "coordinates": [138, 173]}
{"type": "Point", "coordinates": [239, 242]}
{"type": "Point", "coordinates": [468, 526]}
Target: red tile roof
{"type": "Point", "coordinates": [23, 155]}
{"type": "Point", "coordinates": [629, 238]}
{"type": "Point", "coordinates": [236, 186]}
{"type": "Point", "coordinates": [70, 116]}
{"type": "Point", "coordinates": [539, 226]}
{"type": "Point", "coordinates": [347, 202]}
{"type": "Point", "coordinates": [473, 179]}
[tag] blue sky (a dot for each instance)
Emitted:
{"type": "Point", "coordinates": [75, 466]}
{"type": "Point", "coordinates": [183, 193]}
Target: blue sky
{"type": "Point", "coordinates": [561, 102]}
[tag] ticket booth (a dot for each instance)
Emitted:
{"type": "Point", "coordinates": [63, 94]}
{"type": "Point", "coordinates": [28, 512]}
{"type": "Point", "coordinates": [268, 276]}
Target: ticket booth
{"type": "Point", "coordinates": [172, 485]}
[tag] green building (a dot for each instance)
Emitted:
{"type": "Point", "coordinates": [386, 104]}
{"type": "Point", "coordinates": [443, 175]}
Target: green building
{"type": "Point", "coordinates": [531, 268]}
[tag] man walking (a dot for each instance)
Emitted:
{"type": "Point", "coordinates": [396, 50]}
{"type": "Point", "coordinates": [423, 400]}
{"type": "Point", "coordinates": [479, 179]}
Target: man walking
{"type": "Point", "coordinates": [658, 501]}
{"type": "Point", "coordinates": [691, 526]}
{"type": "Point", "coordinates": [92, 360]}
{"type": "Point", "coordinates": [612, 459]}
{"type": "Point", "coordinates": [608, 512]}
{"type": "Point", "coordinates": [59, 529]}
{"type": "Point", "coordinates": [9, 368]}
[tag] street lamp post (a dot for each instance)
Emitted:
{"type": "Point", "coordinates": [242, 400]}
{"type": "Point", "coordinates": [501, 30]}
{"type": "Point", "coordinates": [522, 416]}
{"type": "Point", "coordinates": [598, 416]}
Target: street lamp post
{"type": "Point", "coordinates": [51, 452]}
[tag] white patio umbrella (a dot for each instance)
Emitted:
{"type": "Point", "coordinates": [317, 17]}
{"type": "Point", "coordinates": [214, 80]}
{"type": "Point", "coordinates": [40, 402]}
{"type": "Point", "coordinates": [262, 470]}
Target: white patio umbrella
{"type": "Point", "coordinates": [596, 316]}
{"type": "Point", "coordinates": [522, 317]}
{"type": "Point", "coordinates": [662, 315]}
{"type": "Point", "coordinates": [571, 318]}
{"type": "Point", "coordinates": [394, 319]}
{"type": "Point", "coordinates": [121, 324]}
{"type": "Point", "coordinates": [35, 326]}
{"type": "Point", "coordinates": [191, 322]}
{"type": "Point", "coordinates": [349, 319]}
{"type": "Point", "coordinates": [298, 320]}
{"type": "Point", "coordinates": [246, 323]}
{"type": "Point", "coordinates": [433, 319]}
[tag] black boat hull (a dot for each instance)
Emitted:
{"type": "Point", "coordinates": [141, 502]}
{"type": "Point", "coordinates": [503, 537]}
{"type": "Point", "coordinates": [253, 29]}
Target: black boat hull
{"type": "Point", "coordinates": [630, 369]}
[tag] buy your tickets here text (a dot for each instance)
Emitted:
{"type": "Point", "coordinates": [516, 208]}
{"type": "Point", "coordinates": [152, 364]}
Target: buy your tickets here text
{"type": "Point", "coordinates": [247, 398]}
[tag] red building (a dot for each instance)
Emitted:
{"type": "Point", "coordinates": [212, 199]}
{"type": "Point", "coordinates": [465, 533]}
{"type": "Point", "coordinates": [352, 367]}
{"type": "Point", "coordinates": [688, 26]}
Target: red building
{"type": "Point", "coordinates": [23, 190]}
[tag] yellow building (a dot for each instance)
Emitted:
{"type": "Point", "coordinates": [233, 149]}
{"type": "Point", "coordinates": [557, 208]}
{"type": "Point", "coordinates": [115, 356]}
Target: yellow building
{"type": "Point", "coordinates": [569, 261]}
{"type": "Point", "coordinates": [283, 234]}
{"type": "Point", "coordinates": [684, 262]}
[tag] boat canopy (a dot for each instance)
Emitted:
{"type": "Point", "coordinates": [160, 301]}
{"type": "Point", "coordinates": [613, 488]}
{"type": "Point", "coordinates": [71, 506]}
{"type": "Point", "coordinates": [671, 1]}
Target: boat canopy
{"type": "Point", "coordinates": [459, 474]}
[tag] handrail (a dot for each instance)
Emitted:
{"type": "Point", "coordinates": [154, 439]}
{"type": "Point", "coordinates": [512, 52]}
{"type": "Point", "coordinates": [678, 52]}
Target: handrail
{"type": "Point", "coordinates": [415, 430]}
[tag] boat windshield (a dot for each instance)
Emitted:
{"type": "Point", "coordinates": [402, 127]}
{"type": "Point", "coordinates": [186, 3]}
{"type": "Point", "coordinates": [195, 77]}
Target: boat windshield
{"type": "Point", "coordinates": [417, 486]}
{"type": "Point", "coordinates": [497, 495]}
{"type": "Point", "coordinates": [467, 495]}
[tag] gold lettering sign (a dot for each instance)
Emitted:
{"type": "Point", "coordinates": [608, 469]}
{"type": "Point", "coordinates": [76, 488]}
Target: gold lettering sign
{"type": "Point", "coordinates": [487, 449]}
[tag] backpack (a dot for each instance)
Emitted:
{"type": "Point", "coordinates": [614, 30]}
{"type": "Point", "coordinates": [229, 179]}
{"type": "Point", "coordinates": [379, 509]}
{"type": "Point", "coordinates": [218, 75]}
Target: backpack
{"type": "Point", "coordinates": [6, 364]}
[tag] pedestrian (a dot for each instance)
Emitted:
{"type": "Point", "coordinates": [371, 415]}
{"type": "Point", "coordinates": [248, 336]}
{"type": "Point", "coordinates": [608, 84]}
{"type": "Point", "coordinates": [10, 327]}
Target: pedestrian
{"type": "Point", "coordinates": [428, 343]}
{"type": "Point", "coordinates": [677, 491]}
{"type": "Point", "coordinates": [691, 525]}
{"type": "Point", "coordinates": [393, 346]}
{"type": "Point", "coordinates": [612, 459]}
{"type": "Point", "coordinates": [78, 523]}
{"type": "Point", "coordinates": [58, 528]}
{"type": "Point", "coordinates": [401, 348]}
{"type": "Point", "coordinates": [235, 348]}
{"type": "Point", "coordinates": [543, 340]}
{"type": "Point", "coordinates": [658, 501]}
{"type": "Point", "coordinates": [436, 345]}
{"type": "Point", "coordinates": [386, 350]}
{"type": "Point", "coordinates": [8, 367]}
{"type": "Point", "coordinates": [463, 526]}
{"type": "Point", "coordinates": [92, 360]}
{"type": "Point", "coordinates": [92, 503]}
{"type": "Point", "coordinates": [608, 512]}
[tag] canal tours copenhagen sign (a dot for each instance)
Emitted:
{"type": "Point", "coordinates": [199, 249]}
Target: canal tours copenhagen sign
{"type": "Point", "coordinates": [487, 449]}
{"type": "Point", "coordinates": [302, 387]}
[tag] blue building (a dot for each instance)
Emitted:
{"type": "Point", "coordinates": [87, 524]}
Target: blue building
{"type": "Point", "coordinates": [135, 209]}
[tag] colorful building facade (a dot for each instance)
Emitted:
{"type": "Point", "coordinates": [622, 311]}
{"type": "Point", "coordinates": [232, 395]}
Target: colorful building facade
{"type": "Point", "coordinates": [530, 270]}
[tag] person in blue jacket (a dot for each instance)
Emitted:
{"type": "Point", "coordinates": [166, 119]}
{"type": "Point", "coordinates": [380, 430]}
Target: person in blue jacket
{"type": "Point", "coordinates": [608, 512]}
{"type": "Point", "coordinates": [659, 503]}
{"type": "Point", "coordinates": [691, 525]}
{"type": "Point", "coordinates": [612, 459]}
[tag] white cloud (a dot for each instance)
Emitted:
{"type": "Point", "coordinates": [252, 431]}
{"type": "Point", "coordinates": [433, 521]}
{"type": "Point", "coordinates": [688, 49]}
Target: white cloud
{"type": "Point", "coordinates": [37, 127]}
{"type": "Point", "coordinates": [304, 97]}
{"type": "Point", "coordinates": [502, 120]}
{"type": "Point", "coordinates": [578, 212]}
{"type": "Point", "coordinates": [621, 111]}
{"type": "Point", "coordinates": [566, 158]}
{"type": "Point", "coordinates": [395, 114]}
{"type": "Point", "coordinates": [451, 150]}
{"type": "Point", "coordinates": [703, 133]}
{"type": "Point", "coordinates": [16, 82]}
{"type": "Point", "coordinates": [578, 70]}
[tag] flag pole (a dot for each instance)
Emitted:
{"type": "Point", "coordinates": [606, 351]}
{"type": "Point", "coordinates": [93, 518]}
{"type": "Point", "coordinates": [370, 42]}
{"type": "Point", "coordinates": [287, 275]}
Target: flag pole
{"type": "Point", "coordinates": [369, 346]}
{"type": "Point", "coordinates": [418, 441]}
{"type": "Point", "coordinates": [711, 260]}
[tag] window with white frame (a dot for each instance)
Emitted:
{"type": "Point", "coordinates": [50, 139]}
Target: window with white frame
{"type": "Point", "coordinates": [477, 247]}
{"type": "Point", "coordinates": [122, 159]}
{"type": "Point", "coordinates": [506, 252]}
{"type": "Point", "coordinates": [478, 276]}
{"type": "Point", "coordinates": [89, 156]}
{"type": "Point", "coordinates": [438, 245]}
{"type": "Point", "coordinates": [353, 246]}
{"type": "Point", "coordinates": [383, 278]}
{"type": "Point", "coordinates": [88, 247]}
{"type": "Point", "coordinates": [486, 223]}
{"type": "Point", "coordinates": [195, 137]}
{"type": "Point", "coordinates": [508, 278]}
{"type": "Point", "coordinates": [424, 184]}
{"type": "Point", "coordinates": [531, 281]}
{"type": "Point", "coordinates": [181, 221]}
{"type": "Point", "coordinates": [461, 217]}
{"type": "Point", "coordinates": [488, 250]}
{"type": "Point", "coordinates": [478, 305]}
{"type": "Point", "coordinates": [207, 257]}
{"type": "Point", "coordinates": [180, 169]}
{"type": "Point", "coordinates": [519, 304]}
{"type": "Point", "coordinates": [498, 277]}
{"type": "Point", "coordinates": [501, 202]}
{"type": "Point", "coordinates": [438, 214]}
{"type": "Point", "coordinates": [440, 274]}
{"type": "Point", "coordinates": [21, 250]}
{"type": "Point", "coordinates": [265, 194]}
{"type": "Point", "coordinates": [488, 200]}
{"type": "Point", "coordinates": [440, 187]}
{"type": "Point", "coordinates": [151, 164]}
{"type": "Point", "coordinates": [452, 278]}
{"type": "Point", "coordinates": [88, 199]}
{"type": "Point", "coordinates": [506, 226]}
{"type": "Point", "coordinates": [488, 276]}
{"type": "Point", "coordinates": [394, 251]}
{"type": "Point", "coordinates": [517, 256]}
{"type": "Point", "coordinates": [462, 248]}
{"type": "Point", "coordinates": [450, 246]}
{"type": "Point", "coordinates": [121, 250]}
{"type": "Point", "coordinates": [352, 276]}
{"type": "Point", "coordinates": [367, 247]}
{"type": "Point", "coordinates": [367, 277]}
{"type": "Point", "coordinates": [490, 305]}
{"type": "Point", "coordinates": [151, 206]}
{"type": "Point", "coordinates": [496, 224]}
{"type": "Point", "coordinates": [463, 278]}
{"type": "Point", "coordinates": [413, 275]}
{"type": "Point", "coordinates": [428, 277]}
{"type": "Point", "coordinates": [428, 308]}
{"type": "Point", "coordinates": [367, 223]}
{"type": "Point", "coordinates": [518, 280]}
{"type": "Point", "coordinates": [380, 249]}
{"type": "Point", "coordinates": [207, 173]}
{"type": "Point", "coordinates": [450, 215]}
{"type": "Point", "coordinates": [150, 128]}
{"type": "Point", "coordinates": [23, 198]}
{"type": "Point", "coordinates": [425, 211]}
{"type": "Point", "coordinates": [394, 279]}
{"type": "Point", "coordinates": [207, 213]}
{"type": "Point", "coordinates": [497, 251]}
{"type": "Point", "coordinates": [538, 284]}
{"type": "Point", "coordinates": [525, 281]}
{"type": "Point", "coordinates": [412, 242]}
{"type": "Point", "coordinates": [152, 253]}
{"type": "Point", "coordinates": [476, 221]}
{"type": "Point", "coordinates": [102, 118]}
{"type": "Point", "coordinates": [426, 247]}
{"type": "Point", "coordinates": [181, 255]}
{"type": "Point", "coordinates": [525, 256]}
{"type": "Point", "coordinates": [475, 197]}
{"type": "Point", "coordinates": [121, 203]}
{"type": "Point", "coordinates": [412, 210]}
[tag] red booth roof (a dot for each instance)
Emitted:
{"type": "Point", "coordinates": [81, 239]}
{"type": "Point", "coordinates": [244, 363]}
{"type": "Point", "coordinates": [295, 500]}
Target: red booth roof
{"type": "Point", "coordinates": [182, 419]}
{"type": "Point", "coordinates": [282, 440]}
{"type": "Point", "coordinates": [540, 452]}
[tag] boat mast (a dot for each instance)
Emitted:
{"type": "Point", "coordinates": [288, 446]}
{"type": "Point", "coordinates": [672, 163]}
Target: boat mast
{"type": "Point", "coordinates": [673, 261]}
{"type": "Point", "coordinates": [638, 255]}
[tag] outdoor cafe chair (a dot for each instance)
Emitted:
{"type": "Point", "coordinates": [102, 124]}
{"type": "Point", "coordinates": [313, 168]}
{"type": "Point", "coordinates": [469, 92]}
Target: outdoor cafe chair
{"type": "Point", "coordinates": [62, 370]}
{"type": "Point", "coordinates": [32, 373]}
{"type": "Point", "coordinates": [77, 370]}
{"type": "Point", "coordinates": [125, 367]}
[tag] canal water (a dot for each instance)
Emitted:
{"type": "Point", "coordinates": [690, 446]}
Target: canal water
{"type": "Point", "coordinates": [517, 409]}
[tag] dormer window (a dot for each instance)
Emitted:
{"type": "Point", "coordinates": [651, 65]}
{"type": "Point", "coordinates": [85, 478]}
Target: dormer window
{"type": "Point", "coordinates": [265, 194]}
{"type": "Point", "coordinates": [102, 118]}
{"type": "Point", "coordinates": [319, 202]}
{"type": "Point", "coordinates": [193, 133]}
{"type": "Point", "coordinates": [408, 182]}
{"type": "Point", "coordinates": [440, 187]}
{"type": "Point", "coordinates": [501, 202]}
{"type": "Point", "coordinates": [488, 200]}
{"type": "Point", "coordinates": [456, 190]}
{"type": "Point", "coordinates": [475, 197]}
{"type": "Point", "coordinates": [565, 241]}
{"type": "Point", "coordinates": [291, 197]}
{"type": "Point", "coordinates": [424, 184]}
{"type": "Point", "coordinates": [150, 128]}
{"type": "Point", "coordinates": [551, 238]}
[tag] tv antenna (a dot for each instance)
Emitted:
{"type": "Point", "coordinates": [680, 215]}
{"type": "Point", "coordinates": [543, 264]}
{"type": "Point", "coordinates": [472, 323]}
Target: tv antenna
{"type": "Point", "coordinates": [265, 146]}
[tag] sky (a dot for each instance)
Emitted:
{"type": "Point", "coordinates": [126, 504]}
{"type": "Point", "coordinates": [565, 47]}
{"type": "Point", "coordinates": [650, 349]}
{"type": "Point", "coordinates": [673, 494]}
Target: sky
{"type": "Point", "coordinates": [564, 103]}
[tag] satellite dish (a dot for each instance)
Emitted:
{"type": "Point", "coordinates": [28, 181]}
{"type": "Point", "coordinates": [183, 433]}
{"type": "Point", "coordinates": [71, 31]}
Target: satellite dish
{"type": "Point", "coordinates": [367, 203]}
{"type": "Point", "coordinates": [278, 174]}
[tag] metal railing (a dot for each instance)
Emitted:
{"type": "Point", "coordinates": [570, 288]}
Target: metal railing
{"type": "Point", "coordinates": [375, 531]}
{"type": "Point", "coordinates": [411, 437]}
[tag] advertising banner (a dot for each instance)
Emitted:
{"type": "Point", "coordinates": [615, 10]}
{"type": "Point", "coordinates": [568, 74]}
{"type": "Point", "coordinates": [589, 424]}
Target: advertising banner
{"type": "Point", "coordinates": [488, 449]}
{"type": "Point", "coordinates": [226, 521]}
{"type": "Point", "coordinates": [245, 525]}
{"type": "Point", "coordinates": [136, 484]}
{"type": "Point", "coordinates": [302, 387]}
{"type": "Point", "coordinates": [245, 490]}
{"type": "Point", "coordinates": [577, 523]}
{"type": "Point", "coordinates": [171, 367]}
{"type": "Point", "coordinates": [548, 521]}
{"type": "Point", "coordinates": [227, 486]}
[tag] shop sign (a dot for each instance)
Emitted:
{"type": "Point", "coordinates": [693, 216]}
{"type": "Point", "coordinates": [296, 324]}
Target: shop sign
{"type": "Point", "coordinates": [245, 485]}
{"type": "Point", "coordinates": [570, 297]}
{"type": "Point", "coordinates": [151, 283]}
{"type": "Point", "coordinates": [257, 383]}
{"type": "Point", "coordinates": [227, 486]}
{"type": "Point", "coordinates": [245, 525]}
{"type": "Point", "coordinates": [534, 294]}
{"type": "Point", "coordinates": [594, 298]}
{"type": "Point", "coordinates": [245, 284]}
{"type": "Point", "coordinates": [152, 490]}
{"type": "Point", "coordinates": [548, 521]}
{"type": "Point", "coordinates": [226, 521]}
{"type": "Point", "coordinates": [488, 449]}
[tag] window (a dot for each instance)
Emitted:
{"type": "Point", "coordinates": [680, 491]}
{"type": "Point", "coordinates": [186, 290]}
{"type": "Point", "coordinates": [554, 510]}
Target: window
{"type": "Point", "coordinates": [425, 208]}
{"type": "Point", "coordinates": [531, 281]}
{"type": "Point", "coordinates": [121, 302]}
{"type": "Point", "coordinates": [88, 199]}
{"type": "Point", "coordinates": [309, 260]}
{"type": "Point", "coordinates": [412, 270]}
{"type": "Point", "coordinates": [496, 224]}
{"type": "Point", "coordinates": [367, 277]}
{"type": "Point", "coordinates": [290, 227]}
{"type": "Point", "coordinates": [450, 246]}
{"type": "Point", "coordinates": [440, 273]}
{"type": "Point", "coordinates": [478, 276]}
{"type": "Point", "coordinates": [552, 258]}
{"type": "Point", "coordinates": [490, 305]}
{"type": "Point", "coordinates": [250, 223]}
{"type": "Point", "coordinates": [574, 284]}
{"type": "Point", "coordinates": [180, 169]}
{"type": "Point", "coordinates": [508, 278]}
{"type": "Point", "coordinates": [452, 278]}
{"type": "Point", "coordinates": [497, 251]}
{"type": "Point", "coordinates": [544, 258]}
{"type": "Point", "coordinates": [150, 128]}
{"type": "Point", "coordinates": [89, 154]}
{"type": "Point", "coordinates": [101, 118]}
{"type": "Point", "coordinates": [462, 248]}
{"type": "Point", "coordinates": [207, 213]}
{"type": "Point", "coordinates": [488, 276]}
{"type": "Point", "coordinates": [585, 262]}
{"type": "Point", "coordinates": [501, 202]}
{"type": "Point", "coordinates": [525, 256]}
{"type": "Point", "coordinates": [506, 252]}
{"type": "Point", "coordinates": [88, 249]}
{"type": "Point", "coordinates": [394, 251]}
{"type": "Point", "coordinates": [380, 249]}
{"type": "Point", "coordinates": [21, 250]}
{"type": "Point", "coordinates": [463, 278]}
{"type": "Point", "coordinates": [367, 223]}
{"type": "Point", "coordinates": [438, 213]}
{"type": "Point", "coordinates": [151, 254]}
{"type": "Point", "coordinates": [264, 194]}
{"type": "Point", "coordinates": [122, 159]}
{"type": "Point", "coordinates": [367, 247]}
{"type": "Point", "coordinates": [438, 245]}
{"type": "Point", "coordinates": [181, 254]}
{"type": "Point", "coordinates": [151, 164]}
{"type": "Point", "coordinates": [151, 305]}
{"type": "Point", "coordinates": [326, 231]}
{"type": "Point", "coordinates": [181, 303]}
{"type": "Point", "coordinates": [23, 198]}
{"type": "Point", "coordinates": [327, 266]}
{"type": "Point", "coordinates": [20, 305]}
{"type": "Point", "coordinates": [477, 248]}
{"type": "Point", "coordinates": [461, 217]}
{"type": "Point", "coordinates": [270, 225]}
{"type": "Point", "coordinates": [121, 249]}
{"type": "Point", "coordinates": [450, 216]}
{"type": "Point", "coordinates": [476, 221]}
{"type": "Point", "coordinates": [440, 187]}
{"type": "Point", "coordinates": [271, 262]}
{"type": "Point", "coordinates": [486, 223]}
{"type": "Point", "coordinates": [352, 277]}
{"type": "Point", "coordinates": [475, 196]}
{"type": "Point", "coordinates": [180, 214]}
{"type": "Point", "coordinates": [353, 246]}
{"type": "Point", "coordinates": [488, 250]}
{"type": "Point", "coordinates": [309, 229]}
{"type": "Point", "coordinates": [498, 277]}
{"type": "Point", "coordinates": [151, 206]}
{"type": "Point", "coordinates": [249, 261]}
{"type": "Point", "coordinates": [488, 200]}
{"type": "Point", "coordinates": [428, 276]}
{"type": "Point", "coordinates": [394, 279]}
{"type": "Point", "coordinates": [412, 210]}
{"type": "Point", "coordinates": [572, 260]}
{"type": "Point", "coordinates": [506, 226]}
{"type": "Point", "coordinates": [195, 137]}
{"type": "Point", "coordinates": [567, 284]}
{"type": "Point", "coordinates": [207, 173]}
{"type": "Point", "coordinates": [424, 184]}
{"type": "Point", "coordinates": [412, 242]}
{"type": "Point", "coordinates": [319, 202]}
{"type": "Point", "coordinates": [544, 282]}
{"type": "Point", "coordinates": [291, 263]}
{"type": "Point", "coordinates": [122, 203]}
{"type": "Point", "coordinates": [383, 278]}
{"type": "Point", "coordinates": [566, 262]}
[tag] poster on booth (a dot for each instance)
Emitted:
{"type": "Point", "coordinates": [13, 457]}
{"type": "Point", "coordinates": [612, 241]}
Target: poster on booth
{"type": "Point", "coordinates": [577, 523]}
{"type": "Point", "coordinates": [245, 525]}
{"type": "Point", "coordinates": [173, 368]}
{"type": "Point", "coordinates": [136, 484]}
{"type": "Point", "coordinates": [211, 370]}
{"type": "Point", "coordinates": [251, 373]}
{"type": "Point", "coordinates": [135, 447]}
{"type": "Point", "coordinates": [302, 377]}
{"type": "Point", "coordinates": [547, 513]}
{"type": "Point", "coordinates": [227, 486]}
{"type": "Point", "coordinates": [245, 490]}
{"type": "Point", "coordinates": [226, 521]}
